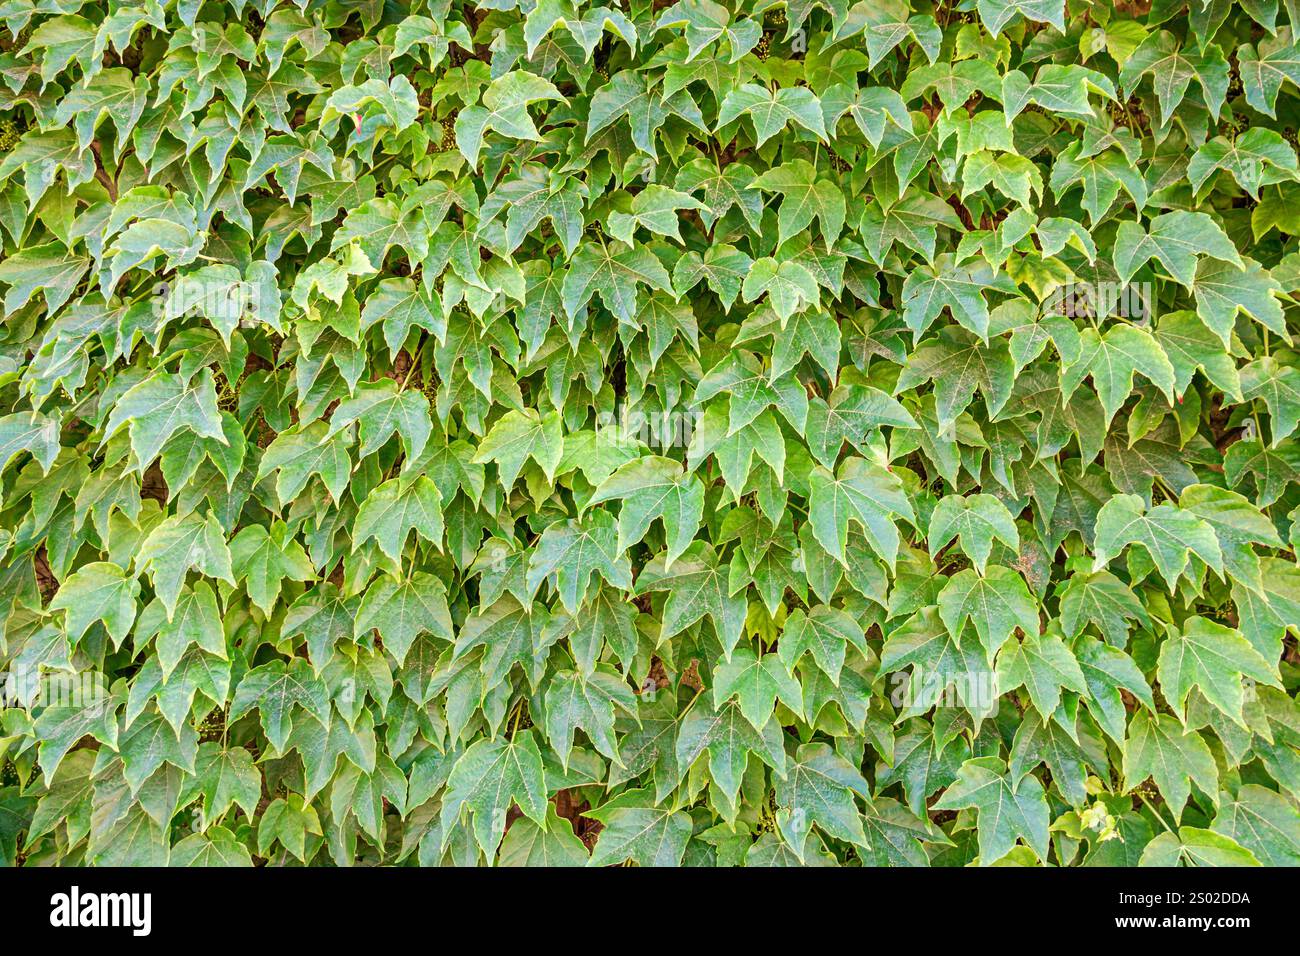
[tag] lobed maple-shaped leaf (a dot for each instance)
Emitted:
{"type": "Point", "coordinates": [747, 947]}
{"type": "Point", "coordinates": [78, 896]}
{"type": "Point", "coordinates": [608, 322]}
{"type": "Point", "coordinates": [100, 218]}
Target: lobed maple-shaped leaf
{"type": "Point", "coordinates": [1007, 808]}
{"type": "Point", "coordinates": [487, 779]}
{"type": "Point", "coordinates": [1166, 532]}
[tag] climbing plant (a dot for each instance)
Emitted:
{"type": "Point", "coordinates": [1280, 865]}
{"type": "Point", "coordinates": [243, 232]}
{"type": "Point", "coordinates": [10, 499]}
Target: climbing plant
{"type": "Point", "coordinates": [566, 432]}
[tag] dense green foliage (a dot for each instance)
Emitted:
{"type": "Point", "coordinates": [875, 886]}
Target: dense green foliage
{"type": "Point", "coordinates": [549, 432]}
